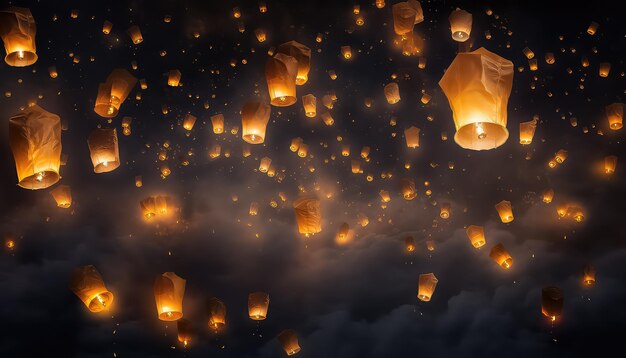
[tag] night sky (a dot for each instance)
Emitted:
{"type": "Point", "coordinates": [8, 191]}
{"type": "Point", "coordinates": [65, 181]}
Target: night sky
{"type": "Point", "coordinates": [347, 299]}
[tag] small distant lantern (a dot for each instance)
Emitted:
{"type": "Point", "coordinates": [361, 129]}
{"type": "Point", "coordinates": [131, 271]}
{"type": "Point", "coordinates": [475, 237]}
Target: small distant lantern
{"type": "Point", "coordinates": [502, 257]}
{"type": "Point", "coordinates": [476, 235]}
{"type": "Point", "coordinates": [289, 340]}
{"type": "Point", "coordinates": [327, 119]}
{"type": "Point", "coordinates": [173, 78]}
{"type": "Point", "coordinates": [260, 35]}
{"type": "Point", "coordinates": [505, 211]}
{"type": "Point", "coordinates": [408, 189]}
{"type": "Point", "coordinates": [218, 123]}
{"type": "Point", "coordinates": [560, 156]}
{"type": "Point", "coordinates": [528, 53]}
{"type": "Point", "coordinates": [547, 196]}
{"type": "Point", "coordinates": [527, 131]}
{"type": "Point", "coordinates": [138, 181]}
{"type": "Point", "coordinates": [365, 152]}
{"type": "Point", "coordinates": [589, 275]}
{"type": "Point", "coordinates": [426, 287]}
{"type": "Point", "coordinates": [189, 121]}
{"type": "Point", "coordinates": [460, 25]}
{"type": "Point", "coordinates": [615, 115]}
{"type": "Point", "coordinates": [104, 150]}
{"type": "Point", "coordinates": [604, 70]}
{"type": "Point", "coordinates": [392, 93]}
{"type": "Point", "coordinates": [106, 27]}
{"type": "Point", "coordinates": [62, 194]}
{"type": "Point", "coordinates": [126, 121]}
{"type": "Point", "coordinates": [185, 331]}
{"type": "Point", "coordinates": [444, 211]}
{"type": "Point", "coordinates": [593, 27]}
{"type": "Point", "coordinates": [258, 304]}
{"type": "Point", "coordinates": [135, 34]}
{"type": "Point", "coordinates": [265, 164]}
{"type": "Point", "coordinates": [303, 150]}
{"type": "Point", "coordinates": [295, 144]}
{"type": "Point", "coordinates": [169, 290]}
{"type": "Point", "coordinates": [52, 70]}
{"type": "Point", "coordinates": [18, 30]}
{"type": "Point", "coordinates": [280, 74]}
{"type": "Point", "coordinates": [88, 285]}
{"type": "Point", "coordinates": [254, 208]}
{"type": "Point", "coordinates": [409, 244]}
{"type": "Point", "coordinates": [610, 162]}
{"type": "Point", "coordinates": [309, 102]}
{"type": "Point", "coordinates": [412, 136]}
{"type": "Point", "coordinates": [346, 52]}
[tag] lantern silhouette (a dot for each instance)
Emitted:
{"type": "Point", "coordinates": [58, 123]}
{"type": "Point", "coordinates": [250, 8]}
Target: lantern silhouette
{"type": "Point", "coordinates": [289, 340]}
{"type": "Point", "coordinates": [527, 131]}
{"type": "Point", "coordinates": [173, 78]}
{"type": "Point", "coordinates": [113, 92]}
{"type": "Point", "coordinates": [392, 93]}
{"type": "Point", "coordinates": [218, 123]}
{"type": "Point", "coordinates": [308, 215]}
{"type": "Point", "coordinates": [444, 211]}
{"type": "Point", "coordinates": [505, 211]}
{"type": "Point", "coordinates": [460, 25]}
{"type": "Point", "coordinates": [254, 118]}
{"type": "Point", "coordinates": [476, 235]}
{"type": "Point", "coordinates": [87, 284]}
{"type": "Point", "coordinates": [409, 243]}
{"type": "Point", "coordinates": [604, 69]}
{"type": "Point", "coordinates": [589, 275]}
{"type": "Point", "coordinates": [106, 27]}
{"type": "Point", "coordinates": [258, 303]}
{"type": "Point", "coordinates": [280, 74]}
{"type": "Point", "coordinates": [309, 102]}
{"type": "Point", "coordinates": [18, 30]}
{"type": "Point", "coordinates": [593, 27]}
{"type": "Point", "coordinates": [551, 302]}
{"type": "Point", "coordinates": [547, 196]}
{"type": "Point", "coordinates": [412, 136]}
{"type": "Point", "coordinates": [185, 331]}
{"type": "Point", "coordinates": [135, 34]}
{"type": "Point", "coordinates": [302, 54]}
{"type": "Point", "coordinates": [217, 313]}
{"type": "Point", "coordinates": [63, 196]}
{"type": "Point", "coordinates": [502, 257]}
{"type": "Point", "coordinates": [478, 85]}
{"type": "Point", "coordinates": [265, 164]}
{"type": "Point", "coordinates": [103, 147]}
{"type": "Point", "coordinates": [615, 115]}
{"type": "Point", "coordinates": [169, 290]}
{"type": "Point", "coordinates": [407, 186]}
{"type": "Point", "coordinates": [189, 121]}
{"type": "Point", "coordinates": [426, 287]}
{"type": "Point", "coordinates": [610, 162]}
{"type": "Point", "coordinates": [35, 140]}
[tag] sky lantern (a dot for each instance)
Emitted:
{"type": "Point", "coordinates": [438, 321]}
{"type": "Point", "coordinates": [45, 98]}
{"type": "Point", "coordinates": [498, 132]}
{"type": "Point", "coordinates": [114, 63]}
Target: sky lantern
{"type": "Point", "coordinates": [103, 147]}
{"type": "Point", "coordinates": [106, 27]}
{"type": "Point", "coordinates": [409, 243]}
{"type": "Point", "coordinates": [430, 245]}
{"type": "Point", "coordinates": [593, 27]}
{"type": "Point", "coordinates": [528, 53]}
{"type": "Point", "coordinates": [615, 115]}
{"type": "Point", "coordinates": [126, 121]}
{"type": "Point", "coordinates": [405, 15]}
{"type": "Point", "coordinates": [303, 150]}
{"type": "Point", "coordinates": [362, 219]}
{"type": "Point", "coordinates": [426, 286]}
{"type": "Point", "coordinates": [365, 152]}
{"type": "Point", "coordinates": [265, 164]}
{"type": "Point", "coordinates": [135, 34]}
{"type": "Point", "coordinates": [218, 123]}
{"type": "Point", "coordinates": [254, 118]}
{"type": "Point", "coordinates": [169, 290]}
{"type": "Point", "coordinates": [302, 54]}
{"type": "Point", "coordinates": [88, 285]}
{"type": "Point", "coordinates": [63, 196]}
{"type": "Point", "coordinates": [185, 331]}
{"type": "Point", "coordinates": [280, 74]}
{"type": "Point", "coordinates": [35, 140]}
{"type": "Point", "coordinates": [547, 196]}
{"type": "Point", "coordinates": [138, 181]}
{"type": "Point", "coordinates": [52, 71]}
{"type": "Point", "coordinates": [604, 69]}
{"type": "Point", "coordinates": [412, 136]}
{"type": "Point", "coordinates": [460, 25]}
{"type": "Point", "coordinates": [148, 207]}
{"type": "Point", "coordinates": [527, 131]}
{"type": "Point", "coordinates": [189, 121]}
{"type": "Point", "coordinates": [217, 313]}
{"type": "Point", "coordinates": [173, 78]}
{"type": "Point", "coordinates": [384, 196]}
{"type": "Point", "coordinates": [17, 30]}
{"type": "Point", "coordinates": [550, 60]}
{"type": "Point", "coordinates": [505, 211]}
{"type": "Point", "coordinates": [258, 304]}
{"type": "Point", "coordinates": [260, 34]}
{"type": "Point", "coordinates": [610, 162]}
{"type": "Point", "coordinates": [343, 234]}
{"type": "Point", "coordinates": [308, 215]}
{"type": "Point", "coordinates": [345, 150]}
{"type": "Point", "coordinates": [327, 118]}
{"type": "Point", "coordinates": [289, 340]}
{"type": "Point", "coordinates": [392, 93]}
{"type": "Point", "coordinates": [355, 165]}
{"type": "Point", "coordinates": [346, 52]}
{"type": "Point", "coordinates": [444, 211]}
{"type": "Point", "coordinates": [380, 4]}
{"type": "Point", "coordinates": [560, 156]}
{"type": "Point", "coordinates": [576, 212]}
{"type": "Point", "coordinates": [476, 235]}
{"type": "Point", "coordinates": [113, 92]}
{"type": "Point", "coordinates": [478, 85]}
{"type": "Point", "coordinates": [502, 257]}
{"type": "Point", "coordinates": [407, 186]}
{"type": "Point", "coordinates": [589, 276]}
{"type": "Point", "coordinates": [295, 144]}
{"type": "Point", "coordinates": [254, 208]}
{"type": "Point", "coordinates": [309, 102]}
{"type": "Point", "coordinates": [551, 302]}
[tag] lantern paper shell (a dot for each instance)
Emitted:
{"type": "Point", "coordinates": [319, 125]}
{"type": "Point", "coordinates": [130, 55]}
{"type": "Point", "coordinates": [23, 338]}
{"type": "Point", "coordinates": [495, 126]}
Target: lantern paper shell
{"type": "Point", "coordinates": [412, 136]}
{"type": "Point", "coordinates": [309, 102]}
{"type": "Point", "coordinates": [280, 74]}
{"type": "Point", "coordinates": [289, 340]}
{"type": "Point", "coordinates": [560, 156]}
{"type": "Point", "coordinates": [18, 30]}
{"type": "Point", "coordinates": [35, 140]}
{"type": "Point", "coordinates": [217, 313]}
{"type": "Point", "coordinates": [551, 302]}
{"type": "Point", "coordinates": [615, 115]}
{"type": "Point", "coordinates": [610, 162]}
{"type": "Point", "coordinates": [106, 27]}
{"type": "Point", "coordinates": [407, 186]}
{"type": "Point", "coordinates": [303, 150]}
{"type": "Point", "coordinates": [173, 78]}
{"type": "Point", "coordinates": [502, 257]}
{"type": "Point", "coordinates": [409, 243]}
{"type": "Point", "coordinates": [295, 144]}
{"type": "Point", "coordinates": [444, 211]}
{"type": "Point", "coordinates": [505, 211]}
{"type": "Point", "coordinates": [63, 196]}
{"type": "Point", "coordinates": [460, 25]}
{"type": "Point", "coordinates": [103, 147]}
{"type": "Point", "coordinates": [258, 304]}
{"type": "Point", "coordinates": [477, 85]}
{"type": "Point", "coordinates": [87, 284]}
{"type": "Point", "coordinates": [113, 92]}
{"type": "Point", "coordinates": [265, 164]}
{"type": "Point", "coordinates": [427, 285]}
{"type": "Point", "coordinates": [169, 290]}
{"type": "Point", "coordinates": [405, 15]}
{"type": "Point", "coordinates": [604, 69]}
{"type": "Point", "coordinates": [547, 196]}
{"type": "Point", "coordinates": [189, 121]}
{"type": "Point", "coordinates": [527, 131]}
{"type": "Point", "coordinates": [343, 233]}
{"type": "Point", "coordinates": [254, 118]}
{"type": "Point", "coordinates": [185, 331]}
{"type": "Point", "coordinates": [392, 93]}
{"type": "Point", "coordinates": [346, 52]}
{"type": "Point", "coordinates": [302, 54]}
{"type": "Point", "coordinates": [593, 27]}
{"type": "Point", "coordinates": [550, 60]}
{"type": "Point", "coordinates": [218, 123]}
{"type": "Point", "coordinates": [135, 34]}
{"type": "Point", "coordinates": [476, 235]}
{"type": "Point", "coordinates": [327, 119]}
{"type": "Point", "coordinates": [308, 215]}
{"type": "Point", "coordinates": [589, 275]}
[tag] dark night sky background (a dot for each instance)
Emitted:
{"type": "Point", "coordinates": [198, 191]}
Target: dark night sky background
{"type": "Point", "coordinates": [355, 300]}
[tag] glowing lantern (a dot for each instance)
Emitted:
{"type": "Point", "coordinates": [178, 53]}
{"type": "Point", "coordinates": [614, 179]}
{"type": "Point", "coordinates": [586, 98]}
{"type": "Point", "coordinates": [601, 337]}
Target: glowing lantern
{"type": "Point", "coordinates": [589, 275]}
{"type": "Point", "coordinates": [218, 123]}
{"type": "Point", "coordinates": [593, 27]}
{"type": "Point", "coordinates": [173, 78]}
{"type": "Point", "coordinates": [106, 27]}
{"type": "Point", "coordinates": [502, 257]}
{"type": "Point", "coordinates": [303, 150]}
{"type": "Point", "coordinates": [295, 144]}
{"type": "Point", "coordinates": [309, 102]}
{"type": "Point", "coordinates": [138, 181]}
{"type": "Point", "coordinates": [576, 212]}
{"type": "Point", "coordinates": [615, 115]}
{"type": "Point", "coordinates": [346, 52]}
{"type": "Point", "coordinates": [169, 290]}
{"type": "Point", "coordinates": [476, 235]}
{"type": "Point", "coordinates": [280, 74]}
{"type": "Point", "coordinates": [528, 53]}
{"type": "Point", "coordinates": [551, 302]}
{"type": "Point", "coordinates": [185, 331]}
{"type": "Point", "coordinates": [532, 64]}
{"type": "Point", "coordinates": [343, 233]}
{"type": "Point", "coordinates": [547, 196]}
{"type": "Point", "coordinates": [87, 284]}
{"type": "Point", "coordinates": [610, 162]}
{"type": "Point", "coordinates": [63, 196]}
{"type": "Point", "coordinates": [380, 4]}
{"type": "Point", "coordinates": [365, 152]}
{"type": "Point", "coordinates": [113, 93]}
{"type": "Point", "coordinates": [17, 30]}
{"type": "Point", "coordinates": [53, 72]}
{"type": "Point", "coordinates": [407, 187]}
{"type": "Point", "coordinates": [405, 15]}
{"type": "Point", "coordinates": [103, 147]}
{"type": "Point", "coordinates": [478, 85]}
{"type": "Point", "coordinates": [308, 215]}
{"type": "Point", "coordinates": [444, 211]}
{"type": "Point", "coordinates": [302, 54]}
{"type": "Point", "coordinates": [460, 25]}
{"type": "Point", "coordinates": [254, 208]}
{"type": "Point", "coordinates": [260, 35]}
{"type": "Point", "coordinates": [550, 58]}
{"type": "Point", "coordinates": [362, 219]}
{"type": "Point", "coordinates": [265, 164]}
{"type": "Point", "coordinates": [409, 243]}
{"type": "Point", "coordinates": [327, 119]}
{"type": "Point", "coordinates": [356, 167]}
{"type": "Point", "coordinates": [412, 136]}
{"type": "Point", "coordinates": [422, 63]}
{"type": "Point", "coordinates": [258, 303]}
{"type": "Point", "coordinates": [392, 93]}
{"type": "Point", "coordinates": [289, 340]}
{"type": "Point", "coordinates": [217, 313]}
{"type": "Point", "coordinates": [215, 151]}
{"type": "Point", "coordinates": [604, 70]}
{"type": "Point", "coordinates": [426, 287]}
{"type": "Point", "coordinates": [35, 140]}
{"type": "Point", "coordinates": [135, 34]}
{"type": "Point", "coordinates": [425, 98]}
{"type": "Point", "coordinates": [236, 12]}
{"type": "Point", "coordinates": [189, 121]}
{"type": "Point", "coordinates": [527, 131]}
{"type": "Point", "coordinates": [384, 196]}
{"type": "Point", "coordinates": [560, 156]}
{"type": "Point", "coordinates": [345, 150]}
{"type": "Point", "coordinates": [505, 211]}
{"type": "Point", "coordinates": [126, 121]}
{"type": "Point", "coordinates": [254, 118]}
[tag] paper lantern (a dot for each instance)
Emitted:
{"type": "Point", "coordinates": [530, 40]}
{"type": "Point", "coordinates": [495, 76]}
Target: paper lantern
{"type": "Point", "coordinates": [254, 208]}
{"type": "Point", "coordinates": [365, 152]}
{"type": "Point", "coordinates": [52, 71]}
{"type": "Point", "coordinates": [576, 213]}
{"type": "Point", "coordinates": [505, 211]}
{"type": "Point", "coordinates": [138, 181]}
{"type": "Point", "coordinates": [426, 287]}
{"type": "Point", "coordinates": [106, 27]}
{"type": "Point", "coordinates": [551, 302]}
{"type": "Point", "coordinates": [346, 52]}
{"type": "Point", "coordinates": [63, 196]}
{"type": "Point", "coordinates": [218, 123]}
{"type": "Point", "coordinates": [280, 74]}
{"type": "Point", "coordinates": [527, 131]}
{"type": "Point", "coordinates": [135, 34]}
{"type": "Point", "coordinates": [422, 63]}
{"type": "Point", "coordinates": [412, 44]}
{"type": "Point", "coordinates": [407, 186]}
{"type": "Point", "coordinates": [185, 331]}
{"type": "Point", "coordinates": [384, 196]}
{"type": "Point", "coordinates": [460, 25]}
{"type": "Point", "coordinates": [362, 219]}
{"type": "Point", "coordinates": [169, 290]}
{"type": "Point", "coordinates": [295, 144]}
{"type": "Point", "coordinates": [18, 30]}
{"type": "Point", "coordinates": [425, 98]}
{"type": "Point", "coordinates": [260, 35]}
{"type": "Point", "coordinates": [615, 115]}
{"type": "Point", "coordinates": [327, 119]}
{"type": "Point", "coordinates": [113, 92]}
{"type": "Point", "coordinates": [265, 164]}
{"type": "Point", "coordinates": [356, 166]}
{"type": "Point", "coordinates": [476, 235]}
{"type": "Point", "coordinates": [309, 102]}
{"type": "Point", "coordinates": [477, 85]}
{"type": "Point", "coordinates": [258, 304]}
{"type": "Point", "coordinates": [189, 121]}
{"type": "Point", "coordinates": [380, 4]}
{"type": "Point", "coordinates": [528, 53]}
{"type": "Point", "coordinates": [589, 275]}
{"type": "Point", "coordinates": [217, 313]}
{"type": "Point", "coordinates": [103, 147]}
{"type": "Point", "coordinates": [88, 285]}
{"type": "Point", "coordinates": [236, 12]}
{"type": "Point", "coordinates": [215, 151]}
{"type": "Point", "coordinates": [550, 60]}
{"type": "Point", "coordinates": [560, 156]}
{"type": "Point", "coordinates": [345, 150]}
{"type": "Point", "coordinates": [392, 93]}
{"type": "Point", "coordinates": [173, 78]}
{"type": "Point", "coordinates": [610, 162]}
{"type": "Point", "coordinates": [302, 54]}
{"type": "Point", "coordinates": [593, 27]}
{"type": "Point", "coordinates": [35, 140]}
{"type": "Point", "coordinates": [547, 196]}
{"type": "Point", "coordinates": [254, 118]}
{"type": "Point", "coordinates": [412, 136]}
{"type": "Point", "coordinates": [308, 215]}
{"type": "Point", "coordinates": [444, 211]}
{"type": "Point", "coordinates": [502, 257]}
{"type": "Point", "coordinates": [126, 121]}
{"type": "Point", "coordinates": [604, 69]}
{"type": "Point", "coordinates": [343, 233]}
{"type": "Point", "coordinates": [532, 64]}
{"type": "Point", "coordinates": [405, 15]}
{"type": "Point", "coordinates": [303, 150]}
{"type": "Point", "coordinates": [409, 243]}
{"type": "Point", "coordinates": [289, 340]}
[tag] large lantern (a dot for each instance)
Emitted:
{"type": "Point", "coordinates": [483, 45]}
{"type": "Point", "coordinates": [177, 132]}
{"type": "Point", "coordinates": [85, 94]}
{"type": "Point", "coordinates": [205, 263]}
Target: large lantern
{"type": "Point", "coordinates": [18, 29]}
{"type": "Point", "coordinates": [63, 196]}
{"type": "Point", "coordinates": [551, 302]}
{"type": "Point", "coordinates": [412, 136]}
{"type": "Point", "coordinates": [527, 131]}
{"type": "Point", "coordinates": [302, 54]}
{"type": "Point", "coordinates": [392, 93]}
{"type": "Point", "coordinates": [505, 211]}
{"type": "Point", "coordinates": [615, 115]}
{"type": "Point", "coordinates": [610, 162]}
{"type": "Point", "coordinates": [308, 215]}
{"type": "Point", "coordinates": [427, 285]}
{"type": "Point", "coordinates": [105, 154]}
{"type": "Point", "coordinates": [476, 235]}
{"type": "Point", "coordinates": [289, 340]}
{"type": "Point", "coordinates": [502, 257]}
{"type": "Point", "coordinates": [169, 290]}
{"type": "Point", "coordinates": [35, 140]}
{"type": "Point", "coordinates": [460, 25]}
{"type": "Point", "coordinates": [280, 74]}
{"type": "Point", "coordinates": [254, 118]}
{"type": "Point", "coordinates": [113, 92]}
{"type": "Point", "coordinates": [478, 85]}
{"type": "Point", "coordinates": [258, 303]}
{"type": "Point", "coordinates": [217, 313]}
{"type": "Point", "coordinates": [87, 284]}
